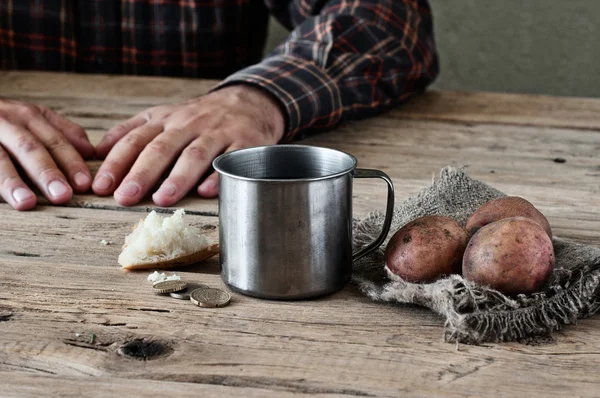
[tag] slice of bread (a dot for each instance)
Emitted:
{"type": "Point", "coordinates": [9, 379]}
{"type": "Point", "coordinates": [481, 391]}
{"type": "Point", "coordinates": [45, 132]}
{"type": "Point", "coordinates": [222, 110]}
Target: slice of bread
{"type": "Point", "coordinates": [158, 242]}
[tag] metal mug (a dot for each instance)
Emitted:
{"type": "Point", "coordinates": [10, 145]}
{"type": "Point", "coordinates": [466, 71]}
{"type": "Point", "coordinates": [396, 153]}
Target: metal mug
{"type": "Point", "coordinates": [285, 220]}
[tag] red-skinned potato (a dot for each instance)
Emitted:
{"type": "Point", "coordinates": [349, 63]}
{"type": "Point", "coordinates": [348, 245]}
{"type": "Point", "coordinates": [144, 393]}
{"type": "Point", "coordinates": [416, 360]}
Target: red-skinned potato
{"type": "Point", "coordinates": [426, 248]}
{"type": "Point", "coordinates": [511, 206]}
{"type": "Point", "coordinates": [512, 255]}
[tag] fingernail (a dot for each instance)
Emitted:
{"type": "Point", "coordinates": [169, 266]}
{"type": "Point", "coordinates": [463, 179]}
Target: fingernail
{"type": "Point", "coordinates": [166, 190]}
{"type": "Point", "coordinates": [103, 182]}
{"type": "Point", "coordinates": [208, 186]}
{"type": "Point", "coordinates": [128, 189]}
{"type": "Point", "coordinates": [22, 195]}
{"type": "Point", "coordinates": [81, 179]}
{"type": "Point", "coordinates": [57, 188]}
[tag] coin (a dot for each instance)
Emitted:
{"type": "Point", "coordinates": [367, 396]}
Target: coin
{"type": "Point", "coordinates": [185, 293]}
{"type": "Point", "coordinates": [165, 287]}
{"type": "Point", "coordinates": [210, 297]}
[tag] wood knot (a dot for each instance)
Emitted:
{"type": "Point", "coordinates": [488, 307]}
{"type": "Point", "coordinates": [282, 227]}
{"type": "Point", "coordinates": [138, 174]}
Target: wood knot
{"type": "Point", "coordinates": [144, 350]}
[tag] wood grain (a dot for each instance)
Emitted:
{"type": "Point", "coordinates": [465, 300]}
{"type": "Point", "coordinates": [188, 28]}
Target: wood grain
{"type": "Point", "coordinates": [516, 109]}
{"type": "Point", "coordinates": [306, 347]}
{"type": "Point", "coordinates": [520, 109]}
{"type": "Point", "coordinates": [62, 234]}
{"type": "Point", "coordinates": [26, 384]}
{"type": "Point", "coordinates": [111, 87]}
{"type": "Point", "coordinates": [67, 309]}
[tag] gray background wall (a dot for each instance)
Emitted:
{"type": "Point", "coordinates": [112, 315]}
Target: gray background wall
{"type": "Point", "coordinates": [526, 46]}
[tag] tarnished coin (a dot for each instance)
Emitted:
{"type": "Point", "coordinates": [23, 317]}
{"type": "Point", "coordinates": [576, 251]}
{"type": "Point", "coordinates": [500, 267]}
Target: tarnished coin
{"type": "Point", "coordinates": [185, 293]}
{"type": "Point", "coordinates": [209, 297]}
{"type": "Point", "coordinates": [165, 287]}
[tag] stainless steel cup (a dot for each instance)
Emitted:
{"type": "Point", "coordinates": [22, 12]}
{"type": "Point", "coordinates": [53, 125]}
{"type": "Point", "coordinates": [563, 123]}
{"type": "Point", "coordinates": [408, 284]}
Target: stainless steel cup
{"type": "Point", "coordinates": [285, 220]}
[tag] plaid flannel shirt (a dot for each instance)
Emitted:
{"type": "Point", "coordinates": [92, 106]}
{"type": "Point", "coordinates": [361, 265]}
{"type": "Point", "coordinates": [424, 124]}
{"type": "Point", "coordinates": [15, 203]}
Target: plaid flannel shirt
{"type": "Point", "coordinates": [344, 60]}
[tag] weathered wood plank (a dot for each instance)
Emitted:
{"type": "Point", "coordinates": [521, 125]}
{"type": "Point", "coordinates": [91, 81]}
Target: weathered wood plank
{"type": "Point", "coordinates": [27, 385]}
{"type": "Point", "coordinates": [342, 345]}
{"type": "Point", "coordinates": [535, 110]}
{"type": "Point", "coordinates": [418, 148]}
{"type": "Point", "coordinates": [112, 87]}
{"type": "Point", "coordinates": [480, 134]}
{"type": "Point", "coordinates": [63, 234]}
{"type": "Point", "coordinates": [501, 108]}
{"type": "Point", "coordinates": [521, 160]}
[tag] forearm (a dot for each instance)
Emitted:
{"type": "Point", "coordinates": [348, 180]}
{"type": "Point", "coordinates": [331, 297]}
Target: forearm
{"type": "Point", "coordinates": [346, 61]}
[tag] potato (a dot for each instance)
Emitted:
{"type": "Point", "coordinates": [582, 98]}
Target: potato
{"type": "Point", "coordinates": [426, 248]}
{"type": "Point", "coordinates": [511, 206]}
{"type": "Point", "coordinates": [512, 255]}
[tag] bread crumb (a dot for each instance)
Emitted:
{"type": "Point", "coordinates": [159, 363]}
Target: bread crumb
{"type": "Point", "coordinates": [106, 242]}
{"type": "Point", "coordinates": [160, 277]}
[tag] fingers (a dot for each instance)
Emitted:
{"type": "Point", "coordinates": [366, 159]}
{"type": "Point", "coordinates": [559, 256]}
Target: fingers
{"type": "Point", "coordinates": [12, 189]}
{"type": "Point", "coordinates": [195, 159]}
{"type": "Point", "coordinates": [36, 161]}
{"type": "Point", "coordinates": [121, 157]}
{"type": "Point", "coordinates": [63, 153]}
{"type": "Point", "coordinates": [151, 164]}
{"type": "Point", "coordinates": [113, 135]}
{"type": "Point", "coordinates": [210, 187]}
{"type": "Point", "coordinates": [72, 131]}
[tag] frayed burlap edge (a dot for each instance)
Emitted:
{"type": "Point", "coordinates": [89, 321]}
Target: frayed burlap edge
{"type": "Point", "coordinates": [476, 314]}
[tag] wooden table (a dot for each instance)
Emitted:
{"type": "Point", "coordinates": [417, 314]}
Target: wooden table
{"type": "Point", "coordinates": [67, 309]}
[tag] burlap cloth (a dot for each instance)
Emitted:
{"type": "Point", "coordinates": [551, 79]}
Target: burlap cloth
{"type": "Point", "coordinates": [472, 313]}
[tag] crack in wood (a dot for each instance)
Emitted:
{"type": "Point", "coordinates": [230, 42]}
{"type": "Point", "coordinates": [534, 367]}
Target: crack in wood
{"type": "Point", "coordinates": [24, 368]}
{"type": "Point", "coordinates": [21, 254]}
{"type": "Point", "coordinates": [89, 346]}
{"type": "Point", "coordinates": [453, 373]}
{"type": "Point", "coordinates": [306, 339]}
{"type": "Point", "coordinates": [472, 123]}
{"type": "Point", "coordinates": [5, 315]}
{"type": "Point", "coordinates": [91, 115]}
{"type": "Point", "coordinates": [300, 386]}
{"type": "Point", "coordinates": [148, 309]}
{"type": "Point", "coordinates": [138, 209]}
{"type": "Point", "coordinates": [67, 217]}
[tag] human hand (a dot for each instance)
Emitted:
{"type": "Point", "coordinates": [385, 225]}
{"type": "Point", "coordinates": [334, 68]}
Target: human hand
{"type": "Point", "coordinates": [191, 134]}
{"type": "Point", "coordinates": [48, 147]}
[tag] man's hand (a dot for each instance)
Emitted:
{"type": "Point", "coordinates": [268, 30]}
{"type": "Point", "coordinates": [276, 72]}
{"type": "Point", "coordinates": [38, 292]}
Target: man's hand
{"type": "Point", "coordinates": [189, 135]}
{"type": "Point", "coordinates": [48, 147]}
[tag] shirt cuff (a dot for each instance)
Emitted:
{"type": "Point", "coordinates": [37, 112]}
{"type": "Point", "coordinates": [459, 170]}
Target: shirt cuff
{"type": "Point", "coordinates": [307, 93]}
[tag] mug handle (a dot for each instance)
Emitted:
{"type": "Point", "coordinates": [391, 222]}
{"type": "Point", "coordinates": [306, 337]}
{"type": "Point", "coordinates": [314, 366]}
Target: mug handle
{"type": "Point", "coordinates": [389, 212]}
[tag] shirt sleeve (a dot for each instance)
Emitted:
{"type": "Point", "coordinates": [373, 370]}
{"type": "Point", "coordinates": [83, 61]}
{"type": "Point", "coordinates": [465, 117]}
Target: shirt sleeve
{"type": "Point", "coordinates": [345, 60]}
